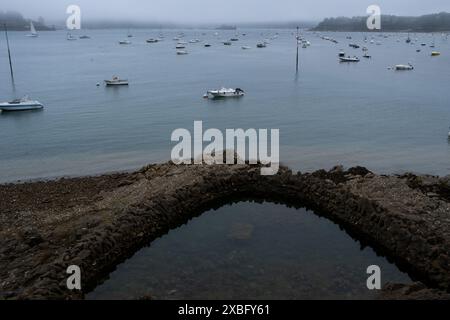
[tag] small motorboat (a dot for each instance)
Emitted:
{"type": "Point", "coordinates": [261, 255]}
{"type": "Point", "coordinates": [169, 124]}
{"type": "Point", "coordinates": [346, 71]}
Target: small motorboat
{"type": "Point", "coordinates": [151, 40]}
{"type": "Point", "coordinates": [226, 93]}
{"type": "Point", "coordinates": [181, 52]}
{"type": "Point", "coordinates": [234, 39]}
{"type": "Point", "coordinates": [261, 45]}
{"type": "Point", "coordinates": [125, 42]}
{"type": "Point", "coordinates": [207, 45]}
{"type": "Point", "coordinates": [70, 37]}
{"type": "Point", "coordinates": [116, 81]}
{"type": "Point", "coordinates": [367, 55]}
{"type": "Point", "coordinates": [22, 104]}
{"type": "Point", "coordinates": [341, 53]}
{"type": "Point", "coordinates": [353, 45]}
{"type": "Point", "coordinates": [435, 53]}
{"type": "Point", "coordinates": [84, 37]}
{"type": "Point", "coordinates": [227, 43]}
{"type": "Point", "coordinates": [180, 46]}
{"type": "Point", "coordinates": [246, 47]}
{"type": "Point", "coordinates": [349, 59]}
{"type": "Point", "coordinates": [403, 67]}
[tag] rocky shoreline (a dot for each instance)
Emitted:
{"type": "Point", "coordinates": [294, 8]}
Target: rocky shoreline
{"type": "Point", "coordinates": [97, 222]}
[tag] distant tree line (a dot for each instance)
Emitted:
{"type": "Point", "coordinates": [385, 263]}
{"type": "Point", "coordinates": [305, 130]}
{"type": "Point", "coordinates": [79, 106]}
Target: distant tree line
{"type": "Point", "coordinates": [16, 22]}
{"type": "Point", "coordinates": [427, 23]}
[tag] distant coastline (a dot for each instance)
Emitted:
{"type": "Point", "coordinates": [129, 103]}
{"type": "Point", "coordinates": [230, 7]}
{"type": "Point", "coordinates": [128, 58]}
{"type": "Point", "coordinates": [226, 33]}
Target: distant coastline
{"type": "Point", "coordinates": [439, 22]}
{"type": "Point", "coordinates": [16, 22]}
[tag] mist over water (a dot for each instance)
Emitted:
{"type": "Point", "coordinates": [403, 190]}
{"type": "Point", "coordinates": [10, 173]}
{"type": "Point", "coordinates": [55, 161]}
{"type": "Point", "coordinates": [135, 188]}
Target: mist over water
{"type": "Point", "coordinates": [332, 113]}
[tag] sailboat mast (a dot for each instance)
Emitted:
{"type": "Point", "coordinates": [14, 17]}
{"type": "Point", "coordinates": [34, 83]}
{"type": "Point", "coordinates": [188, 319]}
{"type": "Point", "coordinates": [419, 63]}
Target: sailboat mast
{"type": "Point", "coordinates": [297, 52]}
{"type": "Point", "coordinates": [9, 54]}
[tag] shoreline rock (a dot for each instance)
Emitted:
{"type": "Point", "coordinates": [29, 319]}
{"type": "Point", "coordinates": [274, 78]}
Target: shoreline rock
{"type": "Point", "coordinates": [98, 222]}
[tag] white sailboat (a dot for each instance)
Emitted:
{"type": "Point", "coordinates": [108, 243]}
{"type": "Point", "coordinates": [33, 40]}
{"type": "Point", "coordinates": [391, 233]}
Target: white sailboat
{"type": "Point", "coordinates": [17, 104]}
{"type": "Point", "coordinates": [33, 33]}
{"type": "Point", "coordinates": [21, 105]}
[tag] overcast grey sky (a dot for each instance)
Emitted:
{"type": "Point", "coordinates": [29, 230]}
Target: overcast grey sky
{"type": "Point", "coordinates": [198, 11]}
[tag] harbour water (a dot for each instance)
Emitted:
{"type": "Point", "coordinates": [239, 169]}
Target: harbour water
{"type": "Point", "coordinates": [250, 251]}
{"type": "Point", "coordinates": [331, 113]}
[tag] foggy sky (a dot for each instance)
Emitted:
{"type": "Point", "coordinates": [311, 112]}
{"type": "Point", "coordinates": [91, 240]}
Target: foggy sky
{"type": "Point", "coordinates": [216, 11]}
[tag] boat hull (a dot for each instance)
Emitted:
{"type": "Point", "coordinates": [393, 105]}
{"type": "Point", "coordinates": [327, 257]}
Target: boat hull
{"type": "Point", "coordinates": [218, 95]}
{"type": "Point", "coordinates": [18, 107]}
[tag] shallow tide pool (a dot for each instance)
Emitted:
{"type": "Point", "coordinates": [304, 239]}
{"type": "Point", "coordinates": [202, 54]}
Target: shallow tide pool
{"type": "Point", "coordinates": [250, 251]}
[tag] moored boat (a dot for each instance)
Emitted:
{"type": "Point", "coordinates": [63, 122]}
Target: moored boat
{"type": "Point", "coordinates": [116, 81]}
{"type": "Point", "coordinates": [70, 37]}
{"type": "Point", "coordinates": [22, 104]}
{"type": "Point", "coordinates": [33, 33]}
{"type": "Point", "coordinates": [403, 67]}
{"type": "Point", "coordinates": [226, 93]}
{"type": "Point", "coordinates": [349, 59]}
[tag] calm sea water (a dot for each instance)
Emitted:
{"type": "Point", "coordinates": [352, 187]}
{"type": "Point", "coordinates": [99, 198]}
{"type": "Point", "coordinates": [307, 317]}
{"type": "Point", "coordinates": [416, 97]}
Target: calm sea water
{"type": "Point", "coordinates": [353, 114]}
{"type": "Point", "coordinates": [250, 251]}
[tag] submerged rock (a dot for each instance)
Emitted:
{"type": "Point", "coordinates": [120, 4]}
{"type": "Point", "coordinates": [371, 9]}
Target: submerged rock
{"type": "Point", "coordinates": [241, 231]}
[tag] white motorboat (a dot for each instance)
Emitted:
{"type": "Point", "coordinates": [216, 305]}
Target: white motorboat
{"type": "Point", "coordinates": [246, 47]}
{"type": "Point", "coordinates": [125, 42]}
{"type": "Point", "coordinates": [21, 105]}
{"type": "Point", "coordinates": [181, 52]}
{"type": "Point", "coordinates": [116, 81]}
{"type": "Point", "coordinates": [349, 59]}
{"type": "Point", "coordinates": [70, 37]}
{"type": "Point", "coordinates": [180, 46]}
{"type": "Point", "coordinates": [261, 45]}
{"type": "Point", "coordinates": [33, 33]}
{"type": "Point", "coordinates": [151, 40]}
{"type": "Point", "coordinates": [402, 67]}
{"type": "Point", "coordinates": [226, 93]}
